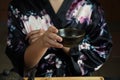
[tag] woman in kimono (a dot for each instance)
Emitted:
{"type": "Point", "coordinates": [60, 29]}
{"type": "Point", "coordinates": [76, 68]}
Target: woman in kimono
{"type": "Point", "coordinates": [33, 41]}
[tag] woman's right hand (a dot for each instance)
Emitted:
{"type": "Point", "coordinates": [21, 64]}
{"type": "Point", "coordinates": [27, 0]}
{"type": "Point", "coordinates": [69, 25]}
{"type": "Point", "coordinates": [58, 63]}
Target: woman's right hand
{"type": "Point", "coordinates": [51, 39]}
{"type": "Point", "coordinates": [40, 41]}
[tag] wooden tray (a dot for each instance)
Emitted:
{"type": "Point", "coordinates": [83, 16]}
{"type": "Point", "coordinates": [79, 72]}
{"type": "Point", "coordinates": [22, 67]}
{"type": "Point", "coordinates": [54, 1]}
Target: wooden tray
{"type": "Point", "coordinates": [68, 78]}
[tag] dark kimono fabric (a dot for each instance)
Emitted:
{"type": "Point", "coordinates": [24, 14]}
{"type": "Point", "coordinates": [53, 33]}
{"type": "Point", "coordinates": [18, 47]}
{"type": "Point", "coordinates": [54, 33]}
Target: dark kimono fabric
{"type": "Point", "coordinates": [91, 53]}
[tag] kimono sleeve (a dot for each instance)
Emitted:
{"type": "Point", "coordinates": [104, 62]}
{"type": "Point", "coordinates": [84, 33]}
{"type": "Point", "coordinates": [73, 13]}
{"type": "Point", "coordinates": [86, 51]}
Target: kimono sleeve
{"type": "Point", "coordinates": [95, 48]}
{"type": "Point", "coordinates": [16, 43]}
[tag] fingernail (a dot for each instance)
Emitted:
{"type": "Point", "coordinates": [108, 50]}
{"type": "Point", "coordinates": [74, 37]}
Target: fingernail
{"type": "Point", "coordinates": [60, 40]}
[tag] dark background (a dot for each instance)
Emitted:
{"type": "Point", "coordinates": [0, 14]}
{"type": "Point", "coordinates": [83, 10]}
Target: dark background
{"type": "Point", "coordinates": [111, 68]}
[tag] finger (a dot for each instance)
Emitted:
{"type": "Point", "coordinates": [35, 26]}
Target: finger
{"type": "Point", "coordinates": [32, 33]}
{"type": "Point", "coordinates": [34, 37]}
{"type": "Point", "coordinates": [41, 31]}
{"type": "Point", "coordinates": [55, 37]}
{"type": "Point", "coordinates": [35, 33]}
{"type": "Point", "coordinates": [53, 29]}
{"type": "Point", "coordinates": [53, 43]}
{"type": "Point", "coordinates": [33, 40]}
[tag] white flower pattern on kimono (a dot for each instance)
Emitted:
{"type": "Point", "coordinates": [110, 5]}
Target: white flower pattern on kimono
{"type": "Point", "coordinates": [84, 46]}
{"type": "Point", "coordinates": [84, 13]}
{"type": "Point", "coordinates": [35, 22]}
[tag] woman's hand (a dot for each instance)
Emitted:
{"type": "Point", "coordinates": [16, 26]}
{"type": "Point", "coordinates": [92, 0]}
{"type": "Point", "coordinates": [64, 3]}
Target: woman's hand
{"type": "Point", "coordinates": [34, 35]}
{"type": "Point", "coordinates": [51, 39]}
{"type": "Point", "coordinates": [40, 41]}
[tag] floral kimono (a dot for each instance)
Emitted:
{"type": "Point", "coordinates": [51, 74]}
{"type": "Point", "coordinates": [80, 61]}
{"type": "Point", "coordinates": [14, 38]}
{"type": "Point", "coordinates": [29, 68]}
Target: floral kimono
{"type": "Point", "coordinates": [88, 56]}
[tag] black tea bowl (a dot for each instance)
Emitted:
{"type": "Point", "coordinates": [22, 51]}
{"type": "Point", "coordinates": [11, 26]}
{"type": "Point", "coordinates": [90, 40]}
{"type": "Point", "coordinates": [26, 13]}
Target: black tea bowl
{"type": "Point", "coordinates": [71, 36]}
